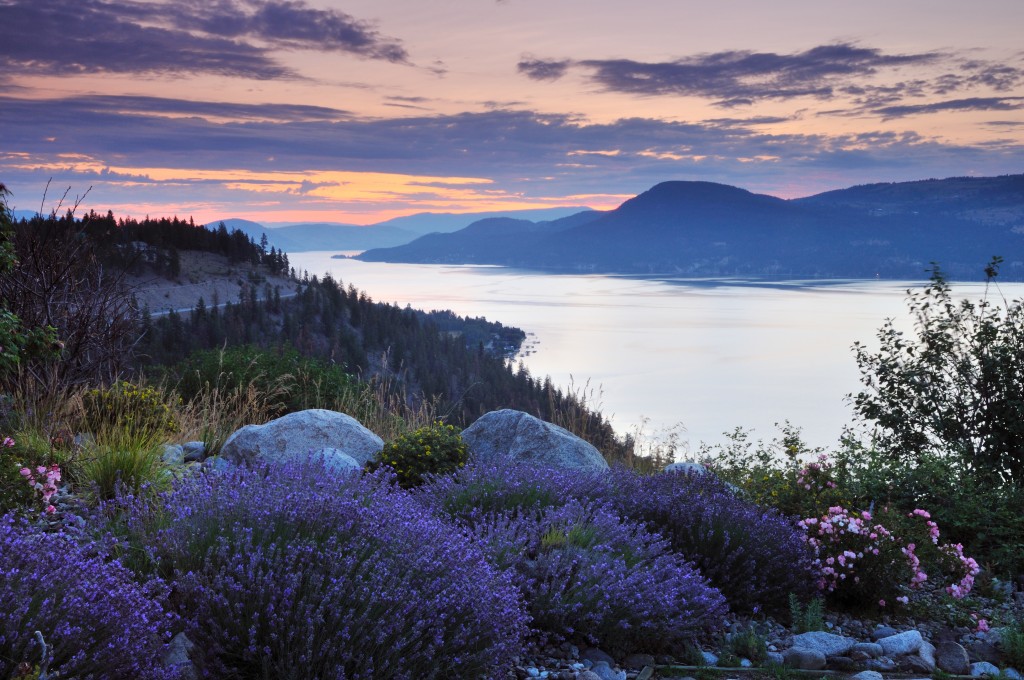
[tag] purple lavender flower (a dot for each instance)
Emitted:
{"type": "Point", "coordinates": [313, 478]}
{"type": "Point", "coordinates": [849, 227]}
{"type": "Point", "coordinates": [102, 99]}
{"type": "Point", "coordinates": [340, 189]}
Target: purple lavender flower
{"type": "Point", "coordinates": [96, 620]}
{"type": "Point", "coordinates": [289, 572]}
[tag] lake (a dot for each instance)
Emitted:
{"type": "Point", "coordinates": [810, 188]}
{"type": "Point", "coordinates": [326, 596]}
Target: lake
{"type": "Point", "coordinates": [710, 355]}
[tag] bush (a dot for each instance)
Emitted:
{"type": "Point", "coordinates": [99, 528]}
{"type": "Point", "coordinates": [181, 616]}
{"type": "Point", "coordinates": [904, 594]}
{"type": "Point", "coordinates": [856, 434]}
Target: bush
{"type": "Point", "coordinates": [480, 489]}
{"type": "Point", "coordinates": [755, 556]}
{"type": "Point", "coordinates": [587, 574]}
{"type": "Point", "coordinates": [95, 619]}
{"type": "Point", "coordinates": [434, 450]}
{"type": "Point", "coordinates": [1012, 639]}
{"type": "Point", "coordinates": [288, 572]}
{"type": "Point", "coordinates": [126, 414]}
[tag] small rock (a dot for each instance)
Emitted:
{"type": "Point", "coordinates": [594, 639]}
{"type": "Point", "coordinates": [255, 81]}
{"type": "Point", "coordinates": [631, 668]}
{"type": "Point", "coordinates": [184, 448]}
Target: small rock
{"type": "Point", "coordinates": [983, 668]}
{"type": "Point", "coordinates": [829, 644]}
{"type": "Point", "coordinates": [709, 659]}
{"type": "Point", "coordinates": [594, 655]}
{"type": "Point", "coordinates": [841, 663]}
{"type": "Point", "coordinates": [193, 451]}
{"type": "Point", "coordinates": [868, 675]}
{"type": "Point", "coordinates": [804, 659]}
{"type": "Point", "coordinates": [883, 632]}
{"type": "Point", "coordinates": [872, 649]}
{"type": "Point", "coordinates": [882, 665]}
{"type": "Point", "coordinates": [172, 455]}
{"type": "Point", "coordinates": [774, 658]}
{"type": "Point", "coordinates": [636, 662]}
{"type": "Point", "coordinates": [604, 671]}
{"type": "Point", "coordinates": [907, 642]}
{"type": "Point", "coordinates": [927, 654]}
{"type": "Point", "coordinates": [178, 657]}
{"type": "Point", "coordinates": [645, 673]}
{"type": "Point", "coordinates": [746, 663]}
{"type": "Point", "coordinates": [587, 675]}
{"type": "Point", "coordinates": [912, 663]}
{"type": "Point", "coordinates": [860, 656]}
{"type": "Point", "coordinates": [952, 658]}
{"type": "Point", "coordinates": [1012, 674]}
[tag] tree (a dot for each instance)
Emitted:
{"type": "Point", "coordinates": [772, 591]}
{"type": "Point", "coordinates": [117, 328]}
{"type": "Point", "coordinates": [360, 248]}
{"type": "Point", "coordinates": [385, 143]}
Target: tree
{"type": "Point", "coordinates": [955, 391]}
{"type": "Point", "coordinates": [18, 343]}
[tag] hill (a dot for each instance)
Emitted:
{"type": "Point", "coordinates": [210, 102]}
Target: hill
{"type": "Point", "coordinates": [700, 229]}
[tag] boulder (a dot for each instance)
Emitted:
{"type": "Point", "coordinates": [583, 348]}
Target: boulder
{"type": "Point", "coordinates": [927, 655]}
{"type": "Point", "coordinates": [828, 644]}
{"type": "Point", "coordinates": [804, 659]}
{"type": "Point", "coordinates": [983, 668]}
{"type": "Point", "coordinates": [688, 467]}
{"type": "Point", "coordinates": [907, 642]}
{"type": "Point", "coordinates": [951, 657]}
{"type": "Point", "coordinates": [514, 436]}
{"type": "Point", "coordinates": [334, 438]}
{"type": "Point", "coordinates": [882, 632]}
{"type": "Point", "coordinates": [172, 454]}
{"type": "Point", "coordinates": [194, 451]}
{"type": "Point", "coordinates": [868, 675]}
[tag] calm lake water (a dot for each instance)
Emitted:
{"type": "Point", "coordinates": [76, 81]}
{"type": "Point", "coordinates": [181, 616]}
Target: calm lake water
{"type": "Point", "coordinates": [711, 355]}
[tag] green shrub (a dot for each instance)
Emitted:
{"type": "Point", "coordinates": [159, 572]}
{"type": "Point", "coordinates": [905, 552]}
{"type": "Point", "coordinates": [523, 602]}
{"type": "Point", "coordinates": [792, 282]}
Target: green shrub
{"type": "Point", "coordinates": [1012, 638]}
{"type": "Point", "coordinates": [103, 467]}
{"type": "Point", "coordinates": [806, 619]}
{"type": "Point", "coordinates": [749, 644]}
{"type": "Point", "coordinates": [437, 449]}
{"type": "Point", "coordinates": [126, 414]}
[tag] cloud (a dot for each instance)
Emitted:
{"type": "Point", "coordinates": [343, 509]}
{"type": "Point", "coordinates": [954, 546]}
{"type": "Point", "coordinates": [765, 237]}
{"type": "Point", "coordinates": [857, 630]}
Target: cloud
{"type": "Point", "coordinates": [743, 77]}
{"type": "Point", "coordinates": [224, 37]}
{"type": "Point", "coordinates": [543, 69]}
{"type": "Point", "coordinates": [968, 104]}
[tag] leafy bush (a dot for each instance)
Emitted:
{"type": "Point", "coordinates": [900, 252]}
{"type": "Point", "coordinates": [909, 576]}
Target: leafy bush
{"type": "Point", "coordinates": [288, 572]}
{"type": "Point", "coordinates": [865, 559]}
{"type": "Point", "coordinates": [953, 391]}
{"type": "Point", "coordinates": [1012, 639]}
{"type": "Point", "coordinates": [493, 488]}
{"type": "Point", "coordinates": [749, 644]}
{"type": "Point", "coordinates": [806, 619]}
{"type": "Point", "coordinates": [585, 573]}
{"type": "Point", "coordinates": [755, 556]}
{"type": "Point", "coordinates": [126, 414]}
{"type": "Point", "coordinates": [434, 450]}
{"type": "Point", "coordinates": [96, 620]}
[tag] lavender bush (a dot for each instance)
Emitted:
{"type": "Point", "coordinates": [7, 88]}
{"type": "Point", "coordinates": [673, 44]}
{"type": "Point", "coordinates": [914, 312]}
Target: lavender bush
{"type": "Point", "coordinates": [97, 622]}
{"type": "Point", "coordinates": [287, 572]}
{"type": "Point", "coordinates": [755, 556]}
{"type": "Point", "coordinates": [587, 574]}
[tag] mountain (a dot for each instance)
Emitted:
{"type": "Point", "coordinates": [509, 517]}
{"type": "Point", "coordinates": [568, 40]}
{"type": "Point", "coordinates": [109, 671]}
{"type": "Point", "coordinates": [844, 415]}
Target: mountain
{"type": "Point", "coordinates": [295, 237]}
{"type": "Point", "coordinates": [700, 229]}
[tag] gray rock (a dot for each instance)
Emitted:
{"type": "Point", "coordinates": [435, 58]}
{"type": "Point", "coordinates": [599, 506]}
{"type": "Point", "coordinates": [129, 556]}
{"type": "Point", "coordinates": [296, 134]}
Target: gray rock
{"type": "Point", "coordinates": [218, 464]}
{"type": "Point", "coordinates": [804, 659]}
{"type": "Point", "coordinates": [604, 671]}
{"type": "Point", "coordinates": [912, 663]}
{"type": "Point", "coordinates": [588, 675]}
{"type": "Point", "coordinates": [178, 657]}
{"type": "Point", "coordinates": [871, 649]}
{"type": "Point", "coordinates": [828, 644]}
{"type": "Point", "coordinates": [868, 675]}
{"type": "Point", "coordinates": [981, 668]}
{"type": "Point", "coordinates": [646, 673]}
{"type": "Point", "coordinates": [952, 658]}
{"type": "Point", "coordinates": [982, 651]}
{"type": "Point", "coordinates": [688, 467]}
{"type": "Point", "coordinates": [900, 644]}
{"type": "Point", "coordinates": [194, 451]}
{"type": "Point", "coordinates": [709, 658]}
{"type": "Point", "coordinates": [883, 632]}
{"type": "Point", "coordinates": [172, 455]}
{"type": "Point", "coordinates": [507, 435]}
{"type": "Point", "coordinates": [773, 658]}
{"type": "Point", "coordinates": [927, 654]}
{"type": "Point", "coordinates": [594, 655]}
{"type": "Point", "coordinates": [746, 663]}
{"type": "Point", "coordinates": [1012, 674]}
{"type": "Point", "coordinates": [636, 662]}
{"type": "Point", "coordinates": [315, 433]}
{"type": "Point", "coordinates": [841, 663]}
{"type": "Point", "coordinates": [882, 665]}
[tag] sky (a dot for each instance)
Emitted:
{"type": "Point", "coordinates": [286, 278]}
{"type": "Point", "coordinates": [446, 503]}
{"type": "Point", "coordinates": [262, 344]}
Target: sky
{"type": "Point", "coordinates": [359, 111]}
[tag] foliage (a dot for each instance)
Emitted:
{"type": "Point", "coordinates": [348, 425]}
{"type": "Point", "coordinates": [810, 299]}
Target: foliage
{"type": "Point", "coordinates": [806, 619]}
{"type": "Point", "coordinates": [783, 473]}
{"type": "Point", "coordinates": [755, 556]}
{"type": "Point", "coordinates": [865, 559]}
{"type": "Point", "coordinates": [129, 413]}
{"type": "Point", "coordinates": [18, 343]}
{"type": "Point", "coordinates": [14, 493]}
{"type": "Point", "coordinates": [290, 572]}
{"type": "Point", "coordinates": [480, 489]}
{"type": "Point", "coordinates": [96, 619]}
{"type": "Point", "coordinates": [1012, 639]}
{"type": "Point", "coordinates": [952, 391]}
{"type": "Point", "coordinates": [749, 644]}
{"type": "Point", "coordinates": [103, 468]}
{"type": "Point", "coordinates": [434, 450]}
{"type": "Point", "coordinates": [586, 574]}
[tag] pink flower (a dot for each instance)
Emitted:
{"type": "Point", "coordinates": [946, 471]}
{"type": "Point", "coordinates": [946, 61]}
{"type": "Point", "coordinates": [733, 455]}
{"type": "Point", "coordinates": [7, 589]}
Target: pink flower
{"type": "Point", "coordinates": [8, 442]}
{"type": "Point", "coordinates": [25, 472]}
{"type": "Point", "coordinates": [50, 509]}
{"type": "Point", "coordinates": [982, 626]}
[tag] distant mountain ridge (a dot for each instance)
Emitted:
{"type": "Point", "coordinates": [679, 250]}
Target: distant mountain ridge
{"type": "Point", "coordinates": [304, 236]}
{"type": "Point", "coordinates": [699, 229]}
